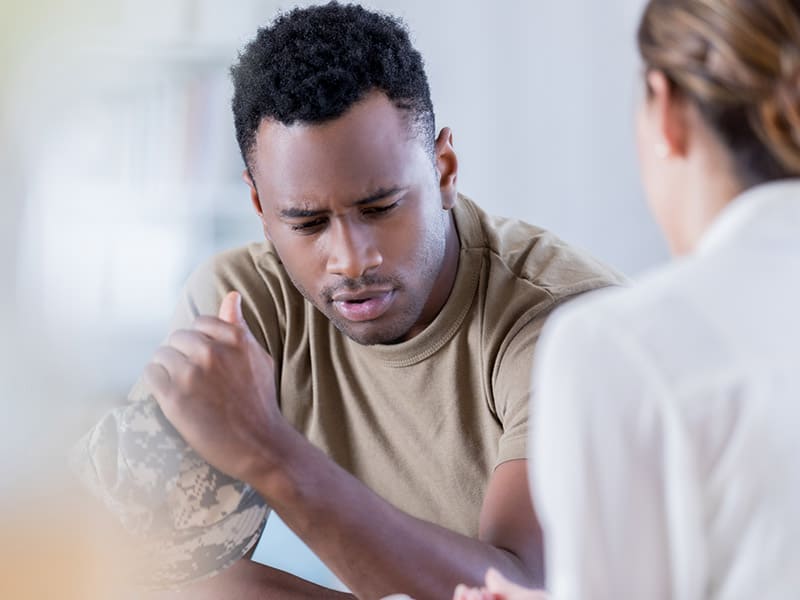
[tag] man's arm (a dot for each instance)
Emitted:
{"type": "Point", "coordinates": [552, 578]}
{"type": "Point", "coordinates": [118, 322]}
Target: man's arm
{"type": "Point", "coordinates": [376, 549]}
{"type": "Point", "coordinates": [247, 580]}
{"type": "Point", "coordinates": [216, 385]}
{"type": "Point", "coordinates": [401, 554]}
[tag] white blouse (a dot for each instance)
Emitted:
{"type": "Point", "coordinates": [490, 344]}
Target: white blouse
{"type": "Point", "coordinates": [665, 442]}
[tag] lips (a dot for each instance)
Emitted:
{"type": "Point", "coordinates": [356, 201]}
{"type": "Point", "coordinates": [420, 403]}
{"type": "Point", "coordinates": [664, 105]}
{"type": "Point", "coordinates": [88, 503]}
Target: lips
{"type": "Point", "coordinates": [363, 305]}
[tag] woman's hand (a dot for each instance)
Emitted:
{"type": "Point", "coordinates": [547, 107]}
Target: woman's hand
{"type": "Point", "coordinates": [498, 588]}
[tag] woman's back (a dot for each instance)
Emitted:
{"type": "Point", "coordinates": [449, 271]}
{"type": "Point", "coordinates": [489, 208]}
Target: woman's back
{"type": "Point", "coordinates": [676, 404]}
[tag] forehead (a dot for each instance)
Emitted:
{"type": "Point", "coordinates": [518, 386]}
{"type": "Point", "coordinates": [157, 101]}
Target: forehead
{"type": "Point", "coordinates": [371, 146]}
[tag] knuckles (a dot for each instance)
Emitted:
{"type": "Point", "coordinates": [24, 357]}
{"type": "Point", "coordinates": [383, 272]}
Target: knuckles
{"type": "Point", "coordinates": [228, 333]}
{"type": "Point", "coordinates": [189, 375]}
{"type": "Point", "coordinates": [207, 355]}
{"type": "Point", "coordinates": [238, 336]}
{"type": "Point", "coordinates": [174, 398]}
{"type": "Point", "coordinates": [192, 362]}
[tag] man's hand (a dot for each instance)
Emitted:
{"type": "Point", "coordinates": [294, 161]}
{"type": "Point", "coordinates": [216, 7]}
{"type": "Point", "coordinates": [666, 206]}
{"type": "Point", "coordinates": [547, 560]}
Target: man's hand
{"type": "Point", "coordinates": [216, 385]}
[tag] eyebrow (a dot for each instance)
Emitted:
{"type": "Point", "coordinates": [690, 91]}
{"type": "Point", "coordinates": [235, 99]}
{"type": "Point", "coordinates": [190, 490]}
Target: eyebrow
{"type": "Point", "coordinates": [300, 213]}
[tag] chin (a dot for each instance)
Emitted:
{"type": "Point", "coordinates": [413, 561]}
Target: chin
{"type": "Point", "coordinates": [370, 336]}
{"type": "Point", "coordinates": [371, 333]}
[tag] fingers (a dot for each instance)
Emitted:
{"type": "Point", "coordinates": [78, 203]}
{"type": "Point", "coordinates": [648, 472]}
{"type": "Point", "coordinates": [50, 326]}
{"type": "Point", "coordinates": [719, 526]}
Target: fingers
{"type": "Point", "coordinates": [501, 587]}
{"type": "Point", "coordinates": [199, 342]}
{"type": "Point", "coordinates": [157, 379]}
{"type": "Point", "coordinates": [495, 580]}
{"type": "Point", "coordinates": [169, 374]}
{"type": "Point", "coordinates": [462, 592]}
{"type": "Point", "coordinates": [158, 376]}
{"type": "Point", "coordinates": [229, 325]}
{"type": "Point", "coordinates": [230, 310]}
{"type": "Point", "coordinates": [223, 331]}
{"type": "Point", "coordinates": [173, 361]}
{"type": "Point", "coordinates": [191, 343]}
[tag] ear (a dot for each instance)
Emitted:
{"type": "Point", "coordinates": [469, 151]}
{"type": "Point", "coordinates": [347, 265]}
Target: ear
{"type": "Point", "coordinates": [667, 109]}
{"type": "Point", "coordinates": [446, 167]}
{"type": "Point", "coordinates": [255, 200]}
{"type": "Point", "coordinates": [253, 192]}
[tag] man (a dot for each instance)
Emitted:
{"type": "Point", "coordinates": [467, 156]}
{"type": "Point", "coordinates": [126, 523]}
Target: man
{"type": "Point", "coordinates": [366, 369]}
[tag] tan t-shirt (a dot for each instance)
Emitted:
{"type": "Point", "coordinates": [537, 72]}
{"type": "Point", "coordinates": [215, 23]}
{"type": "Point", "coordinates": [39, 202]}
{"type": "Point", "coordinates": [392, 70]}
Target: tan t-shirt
{"type": "Point", "coordinates": [423, 423]}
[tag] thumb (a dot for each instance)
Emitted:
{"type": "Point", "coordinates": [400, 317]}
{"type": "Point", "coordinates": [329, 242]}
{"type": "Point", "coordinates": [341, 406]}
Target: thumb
{"type": "Point", "coordinates": [231, 309]}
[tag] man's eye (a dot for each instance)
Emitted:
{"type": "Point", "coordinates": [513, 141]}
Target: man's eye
{"type": "Point", "coordinates": [308, 226]}
{"type": "Point", "coordinates": [379, 210]}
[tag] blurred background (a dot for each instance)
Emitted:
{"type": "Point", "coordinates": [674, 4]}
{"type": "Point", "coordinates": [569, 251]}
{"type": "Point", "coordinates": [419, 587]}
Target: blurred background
{"type": "Point", "coordinates": [120, 173]}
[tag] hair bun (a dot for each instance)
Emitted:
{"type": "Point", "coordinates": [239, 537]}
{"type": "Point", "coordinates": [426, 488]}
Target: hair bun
{"type": "Point", "coordinates": [779, 114]}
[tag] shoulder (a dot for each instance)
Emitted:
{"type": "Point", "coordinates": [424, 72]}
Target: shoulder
{"type": "Point", "coordinates": [255, 271]}
{"type": "Point", "coordinates": [656, 328]}
{"type": "Point", "coordinates": [244, 264]}
{"type": "Point", "coordinates": [247, 269]}
{"type": "Point", "coordinates": [533, 255]}
{"type": "Point", "coordinates": [591, 367]}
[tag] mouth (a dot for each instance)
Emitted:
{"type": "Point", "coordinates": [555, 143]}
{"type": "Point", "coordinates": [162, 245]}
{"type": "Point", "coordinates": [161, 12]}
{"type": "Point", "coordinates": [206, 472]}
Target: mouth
{"type": "Point", "coordinates": [364, 305]}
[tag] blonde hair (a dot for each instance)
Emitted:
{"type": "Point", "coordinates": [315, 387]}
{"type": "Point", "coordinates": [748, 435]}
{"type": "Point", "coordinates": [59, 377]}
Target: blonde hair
{"type": "Point", "coordinates": [739, 62]}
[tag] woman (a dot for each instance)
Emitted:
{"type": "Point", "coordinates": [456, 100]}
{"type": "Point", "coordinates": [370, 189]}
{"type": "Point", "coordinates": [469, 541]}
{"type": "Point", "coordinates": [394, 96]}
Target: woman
{"type": "Point", "coordinates": [665, 458]}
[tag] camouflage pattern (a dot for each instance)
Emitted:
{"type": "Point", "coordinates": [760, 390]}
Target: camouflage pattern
{"type": "Point", "coordinates": [188, 519]}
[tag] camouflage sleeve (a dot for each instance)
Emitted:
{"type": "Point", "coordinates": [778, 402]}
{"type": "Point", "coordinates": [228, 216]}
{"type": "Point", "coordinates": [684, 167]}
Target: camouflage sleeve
{"type": "Point", "coordinates": [187, 520]}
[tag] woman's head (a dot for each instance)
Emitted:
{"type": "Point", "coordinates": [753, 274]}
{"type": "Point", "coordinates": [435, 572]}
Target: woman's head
{"type": "Point", "coordinates": [724, 76]}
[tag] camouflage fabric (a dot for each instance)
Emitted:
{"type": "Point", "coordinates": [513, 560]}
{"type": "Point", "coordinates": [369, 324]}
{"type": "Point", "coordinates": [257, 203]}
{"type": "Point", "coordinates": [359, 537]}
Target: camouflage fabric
{"type": "Point", "coordinates": [189, 520]}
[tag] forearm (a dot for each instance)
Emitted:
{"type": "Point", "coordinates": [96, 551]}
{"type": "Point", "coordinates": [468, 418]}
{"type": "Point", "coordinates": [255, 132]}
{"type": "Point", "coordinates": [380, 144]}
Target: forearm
{"type": "Point", "coordinates": [247, 580]}
{"type": "Point", "coordinates": [374, 548]}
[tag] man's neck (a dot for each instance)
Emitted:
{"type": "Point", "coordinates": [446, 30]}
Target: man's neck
{"type": "Point", "coordinates": [444, 280]}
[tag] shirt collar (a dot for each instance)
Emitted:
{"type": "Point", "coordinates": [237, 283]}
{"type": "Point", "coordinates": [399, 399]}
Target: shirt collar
{"type": "Point", "coordinates": [773, 199]}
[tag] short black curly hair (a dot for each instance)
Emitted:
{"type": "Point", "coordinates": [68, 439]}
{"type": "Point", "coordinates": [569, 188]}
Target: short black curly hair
{"type": "Point", "coordinates": [312, 64]}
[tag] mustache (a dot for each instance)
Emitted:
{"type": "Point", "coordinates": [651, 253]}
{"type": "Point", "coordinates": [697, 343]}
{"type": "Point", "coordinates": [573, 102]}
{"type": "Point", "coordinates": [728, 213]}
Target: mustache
{"type": "Point", "coordinates": [365, 281]}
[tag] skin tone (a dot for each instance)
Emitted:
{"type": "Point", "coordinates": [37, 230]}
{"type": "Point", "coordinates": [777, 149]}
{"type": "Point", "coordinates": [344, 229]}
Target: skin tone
{"type": "Point", "coordinates": [688, 179]}
{"type": "Point", "coordinates": [359, 212]}
{"type": "Point", "coordinates": [497, 587]}
{"type": "Point", "coordinates": [687, 173]}
{"type": "Point", "coordinates": [360, 218]}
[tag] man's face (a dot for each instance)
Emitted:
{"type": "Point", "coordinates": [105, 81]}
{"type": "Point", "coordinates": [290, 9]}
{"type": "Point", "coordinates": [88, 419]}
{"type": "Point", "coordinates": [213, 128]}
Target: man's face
{"type": "Point", "coordinates": [357, 214]}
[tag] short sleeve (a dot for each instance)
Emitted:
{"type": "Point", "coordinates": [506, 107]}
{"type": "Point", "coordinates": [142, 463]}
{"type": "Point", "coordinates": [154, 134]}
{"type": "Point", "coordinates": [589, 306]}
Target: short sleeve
{"type": "Point", "coordinates": [512, 390]}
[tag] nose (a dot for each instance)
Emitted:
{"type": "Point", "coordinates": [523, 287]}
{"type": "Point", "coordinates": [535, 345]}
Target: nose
{"type": "Point", "coordinates": [353, 250]}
